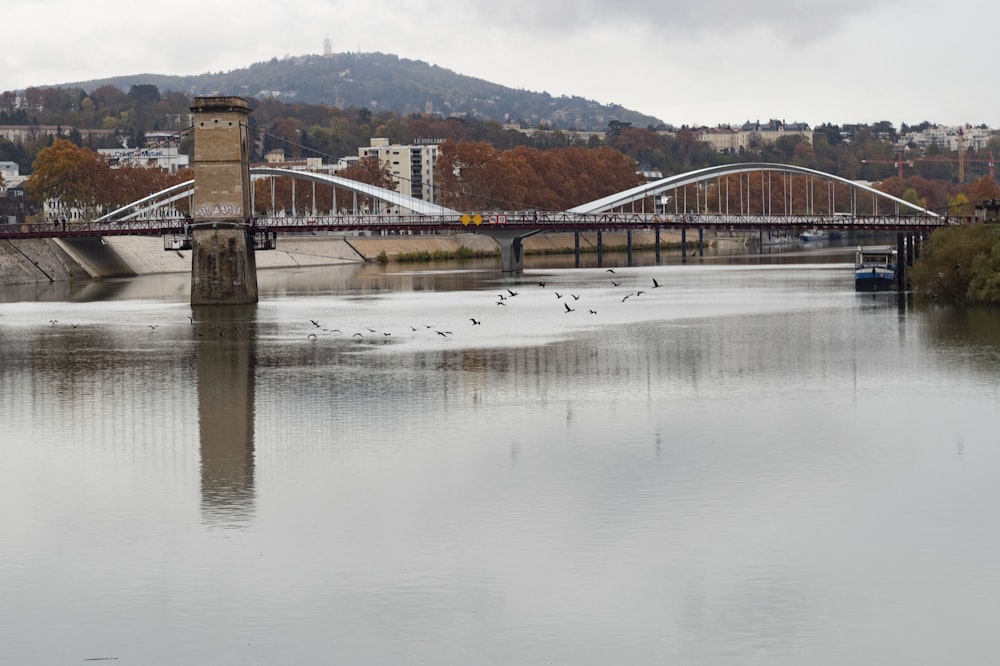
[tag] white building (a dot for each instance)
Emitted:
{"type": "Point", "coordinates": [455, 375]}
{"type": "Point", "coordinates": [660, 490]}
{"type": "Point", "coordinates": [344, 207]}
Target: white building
{"type": "Point", "coordinates": [412, 167]}
{"type": "Point", "coordinates": [10, 175]}
{"type": "Point", "coordinates": [949, 138]}
{"type": "Point", "coordinates": [167, 157]}
{"type": "Point", "coordinates": [753, 135]}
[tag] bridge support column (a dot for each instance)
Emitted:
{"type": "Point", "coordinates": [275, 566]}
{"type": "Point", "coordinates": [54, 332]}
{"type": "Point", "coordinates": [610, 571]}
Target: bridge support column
{"type": "Point", "coordinates": [576, 248]}
{"type": "Point", "coordinates": [684, 244]}
{"type": "Point", "coordinates": [511, 255]}
{"type": "Point", "coordinates": [223, 266]}
{"type": "Point", "coordinates": [511, 248]}
{"type": "Point", "coordinates": [600, 249]}
{"type": "Point", "coordinates": [701, 242]}
{"type": "Point", "coordinates": [657, 234]}
{"type": "Point", "coordinates": [628, 235]}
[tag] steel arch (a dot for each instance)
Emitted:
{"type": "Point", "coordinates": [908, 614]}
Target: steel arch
{"type": "Point", "coordinates": [639, 192]}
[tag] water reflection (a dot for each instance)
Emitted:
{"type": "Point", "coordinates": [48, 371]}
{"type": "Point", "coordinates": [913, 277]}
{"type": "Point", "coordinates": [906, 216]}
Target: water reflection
{"type": "Point", "coordinates": [225, 357]}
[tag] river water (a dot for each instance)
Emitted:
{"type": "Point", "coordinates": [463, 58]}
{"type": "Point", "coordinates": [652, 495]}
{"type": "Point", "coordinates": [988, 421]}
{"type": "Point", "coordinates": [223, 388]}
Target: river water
{"type": "Point", "coordinates": [749, 464]}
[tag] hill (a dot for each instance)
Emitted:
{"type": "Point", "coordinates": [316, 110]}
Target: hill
{"type": "Point", "coordinates": [383, 82]}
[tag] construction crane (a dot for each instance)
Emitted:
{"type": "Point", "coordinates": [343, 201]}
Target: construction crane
{"type": "Point", "coordinates": [899, 162]}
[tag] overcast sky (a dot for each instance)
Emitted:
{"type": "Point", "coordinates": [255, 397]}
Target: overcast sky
{"type": "Point", "coordinates": [708, 62]}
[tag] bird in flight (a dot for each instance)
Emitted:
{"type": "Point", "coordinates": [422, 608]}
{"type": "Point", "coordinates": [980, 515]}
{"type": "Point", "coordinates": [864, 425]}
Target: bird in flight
{"type": "Point", "coordinates": [512, 293]}
{"type": "Point", "coordinates": [655, 283]}
{"type": "Point", "coordinates": [568, 308]}
{"type": "Point", "coordinates": [615, 283]}
{"type": "Point", "coordinates": [474, 321]}
{"type": "Point", "coordinates": [558, 295]}
{"type": "Point", "coordinates": [610, 270]}
{"type": "Point", "coordinates": [592, 311]}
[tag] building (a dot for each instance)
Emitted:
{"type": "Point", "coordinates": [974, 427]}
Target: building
{"type": "Point", "coordinates": [723, 139]}
{"type": "Point", "coordinates": [753, 135]}
{"type": "Point", "coordinates": [412, 167]}
{"type": "Point", "coordinates": [15, 206]}
{"type": "Point", "coordinates": [10, 175]}
{"type": "Point", "coordinates": [166, 157]}
{"type": "Point", "coordinates": [24, 133]}
{"type": "Point", "coordinates": [949, 138]}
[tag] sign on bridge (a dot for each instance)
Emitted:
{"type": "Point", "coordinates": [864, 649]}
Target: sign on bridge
{"type": "Point", "coordinates": [477, 219]}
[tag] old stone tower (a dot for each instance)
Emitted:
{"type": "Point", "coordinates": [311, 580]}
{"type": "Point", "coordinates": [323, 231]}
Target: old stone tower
{"type": "Point", "coordinates": [223, 268]}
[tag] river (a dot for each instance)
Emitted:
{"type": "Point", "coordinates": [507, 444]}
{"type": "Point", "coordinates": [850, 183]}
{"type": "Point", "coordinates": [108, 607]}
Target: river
{"type": "Point", "coordinates": [746, 464]}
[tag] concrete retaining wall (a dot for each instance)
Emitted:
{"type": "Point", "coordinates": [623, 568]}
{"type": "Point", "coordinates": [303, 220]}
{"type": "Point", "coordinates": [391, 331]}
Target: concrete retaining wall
{"type": "Point", "coordinates": [48, 260]}
{"type": "Point", "coordinates": [36, 260]}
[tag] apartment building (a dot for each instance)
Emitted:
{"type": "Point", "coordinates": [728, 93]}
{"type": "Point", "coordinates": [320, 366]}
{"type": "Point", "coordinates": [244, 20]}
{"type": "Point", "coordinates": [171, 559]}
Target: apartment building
{"type": "Point", "coordinates": [412, 167]}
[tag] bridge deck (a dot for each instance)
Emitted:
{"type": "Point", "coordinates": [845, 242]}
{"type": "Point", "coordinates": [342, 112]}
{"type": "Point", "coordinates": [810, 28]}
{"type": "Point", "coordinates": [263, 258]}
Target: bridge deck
{"type": "Point", "coordinates": [528, 222]}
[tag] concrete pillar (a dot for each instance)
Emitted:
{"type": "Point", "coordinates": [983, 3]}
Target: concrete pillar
{"type": "Point", "coordinates": [511, 254]}
{"type": "Point", "coordinates": [223, 266]}
{"type": "Point", "coordinates": [223, 269]}
{"type": "Point", "coordinates": [657, 232]}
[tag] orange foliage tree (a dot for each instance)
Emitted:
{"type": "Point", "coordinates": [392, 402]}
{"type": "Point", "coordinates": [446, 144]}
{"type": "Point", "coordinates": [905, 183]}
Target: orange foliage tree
{"type": "Point", "coordinates": [80, 178]}
{"type": "Point", "coordinates": [473, 175]}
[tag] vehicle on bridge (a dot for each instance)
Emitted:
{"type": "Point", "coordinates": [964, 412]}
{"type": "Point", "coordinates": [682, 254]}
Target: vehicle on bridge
{"type": "Point", "coordinates": [875, 268]}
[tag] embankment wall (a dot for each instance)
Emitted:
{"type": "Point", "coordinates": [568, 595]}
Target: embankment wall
{"type": "Point", "coordinates": [50, 260]}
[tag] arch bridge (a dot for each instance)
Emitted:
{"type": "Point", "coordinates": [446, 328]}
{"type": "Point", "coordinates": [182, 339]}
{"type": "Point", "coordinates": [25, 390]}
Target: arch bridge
{"type": "Point", "coordinates": [776, 198]}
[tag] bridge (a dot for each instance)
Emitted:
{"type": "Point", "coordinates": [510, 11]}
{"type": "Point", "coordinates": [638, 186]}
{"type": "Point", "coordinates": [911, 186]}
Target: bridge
{"type": "Point", "coordinates": [690, 204]}
{"type": "Point", "coordinates": [762, 197]}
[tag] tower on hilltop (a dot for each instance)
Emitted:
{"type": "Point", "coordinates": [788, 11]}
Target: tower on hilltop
{"type": "Point", "coordinates": [327, 46]}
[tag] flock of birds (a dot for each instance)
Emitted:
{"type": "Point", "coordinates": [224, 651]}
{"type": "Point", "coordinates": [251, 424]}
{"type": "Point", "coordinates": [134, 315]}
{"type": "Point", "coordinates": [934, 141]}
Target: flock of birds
{"type": "Point", "coordinates": [571, 302]}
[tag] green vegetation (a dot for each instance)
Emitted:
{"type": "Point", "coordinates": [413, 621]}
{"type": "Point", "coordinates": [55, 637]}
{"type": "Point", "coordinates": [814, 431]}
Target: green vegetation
{"type": "Point", "coordinates": [960, 265]}
{"type": "Point", "coordinates": [420, 256]}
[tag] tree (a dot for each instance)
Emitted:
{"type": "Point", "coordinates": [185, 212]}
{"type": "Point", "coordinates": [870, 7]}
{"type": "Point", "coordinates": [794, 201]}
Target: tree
{"type": "Point", "coordinates": [953, 259]}
{"type": "Point", "coordinates": [984, 189]}
{"type": "Point", "coordinates": [71, 174]}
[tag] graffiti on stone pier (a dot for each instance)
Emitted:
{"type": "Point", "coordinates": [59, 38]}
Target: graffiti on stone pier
{"type": "Point", "coordinates": [219, 210]}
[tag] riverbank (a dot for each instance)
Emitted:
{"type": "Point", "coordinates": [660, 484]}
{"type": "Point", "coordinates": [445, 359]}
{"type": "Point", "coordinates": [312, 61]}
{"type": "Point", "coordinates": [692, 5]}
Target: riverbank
{"type": "Point", "coordinates": [59, 259]}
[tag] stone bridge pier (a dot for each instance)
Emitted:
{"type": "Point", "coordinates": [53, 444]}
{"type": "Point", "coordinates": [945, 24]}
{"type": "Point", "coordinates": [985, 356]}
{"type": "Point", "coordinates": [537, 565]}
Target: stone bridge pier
{"type": "Point", "coordinates": [223, 267]}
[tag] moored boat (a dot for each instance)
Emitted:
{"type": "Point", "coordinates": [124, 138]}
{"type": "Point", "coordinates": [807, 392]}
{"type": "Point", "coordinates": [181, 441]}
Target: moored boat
{"type": "Point", "coordinates": [875, 268]}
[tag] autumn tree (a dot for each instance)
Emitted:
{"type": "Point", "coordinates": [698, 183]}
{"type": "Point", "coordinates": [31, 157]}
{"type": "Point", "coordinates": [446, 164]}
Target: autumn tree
{"type": "Point", "coordinates": [473, 175]}
{"type": "Point", "coordinates": [81, 178]}
{"type": "Point", "coordinates": [73, 175]}
{"type": "Point", "coordinates": [467, 175]}
{"type": "Point", "coordinates": [984, 189]}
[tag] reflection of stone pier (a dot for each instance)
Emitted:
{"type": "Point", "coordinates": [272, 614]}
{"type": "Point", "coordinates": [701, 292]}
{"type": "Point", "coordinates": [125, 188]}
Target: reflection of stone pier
{"type": "Point", "coordinates": [223, 269]}
{"type": "Point", "coordinates": [225, 361]}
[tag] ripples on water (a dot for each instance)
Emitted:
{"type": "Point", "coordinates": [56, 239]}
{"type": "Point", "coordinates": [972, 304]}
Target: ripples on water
{"type": "Point", "coordinates": [750, 464]}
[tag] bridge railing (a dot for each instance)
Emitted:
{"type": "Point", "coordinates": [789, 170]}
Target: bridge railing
{"type": "Point", "coordinates": [493, 220]}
